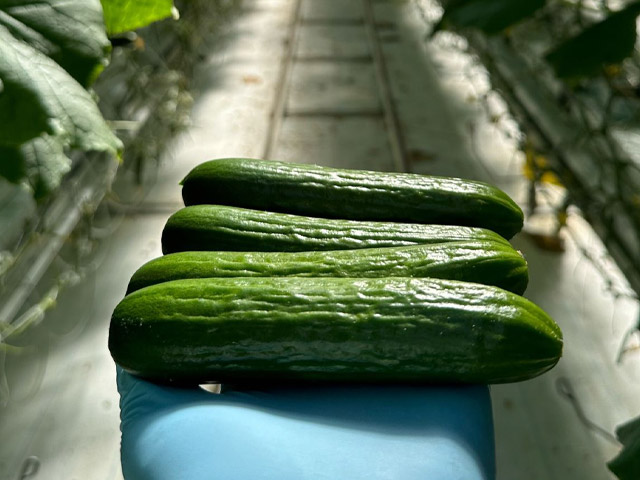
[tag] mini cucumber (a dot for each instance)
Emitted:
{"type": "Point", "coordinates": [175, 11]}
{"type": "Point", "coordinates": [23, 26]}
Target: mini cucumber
{"type": "Point", "coordinates": [393, 329]}
{"type": "Point", "coordinates": [351, 194]}
{"type": "Point", "coordinates": [217, 228]}
{"type": "Point", "coordinates": [480, 261]}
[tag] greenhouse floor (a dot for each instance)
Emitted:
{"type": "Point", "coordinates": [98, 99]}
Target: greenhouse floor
{"type": "Point", "coordinates": [349, 83]}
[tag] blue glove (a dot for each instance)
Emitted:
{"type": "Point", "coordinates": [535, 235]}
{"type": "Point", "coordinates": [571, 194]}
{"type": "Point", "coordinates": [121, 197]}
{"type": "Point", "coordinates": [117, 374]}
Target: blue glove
{"type": "Point", "coordinates": [302, 433]}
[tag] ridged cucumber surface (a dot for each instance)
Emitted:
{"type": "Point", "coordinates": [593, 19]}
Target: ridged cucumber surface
{"type": "Point", "coordinates": [351, 194]}
{"type": "Point", "coordinates": [480, 261]}
{"type": "Point", "coordinates": [217, 227]}
{"type": "Point", "coordinates": [332, 329]}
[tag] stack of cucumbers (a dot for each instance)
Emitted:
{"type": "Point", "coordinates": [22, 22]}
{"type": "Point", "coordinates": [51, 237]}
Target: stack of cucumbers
{"type": "Point", "coordinates": [284, 272]}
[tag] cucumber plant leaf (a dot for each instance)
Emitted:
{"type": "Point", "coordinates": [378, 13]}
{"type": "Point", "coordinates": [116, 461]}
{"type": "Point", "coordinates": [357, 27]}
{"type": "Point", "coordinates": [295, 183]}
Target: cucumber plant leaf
{"type": "Point", "coordinates": [607, 42]}
{"type": "Point", "coordinates": [126, 15]}
{"type": "Point", "coordinates": [71, 32]}
{"type": "Point", "coordinates": [38, 96]}
{"type": "Point", "coordinates": [488, 16]}
{"type": "Point", "coordinates": [44, 112]}
{"type": "Point", "coordinates": [626, 465]}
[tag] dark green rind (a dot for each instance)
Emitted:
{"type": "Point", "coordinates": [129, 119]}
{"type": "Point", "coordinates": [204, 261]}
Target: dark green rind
{"type": "Point", "coordinates": [233, 330]}
{"type": "Point", "coordinates": [218, 228]}
{"type": "Point", "coordinates": [479, 261]}
{"type": "Point", "coordinates": [351, 194]}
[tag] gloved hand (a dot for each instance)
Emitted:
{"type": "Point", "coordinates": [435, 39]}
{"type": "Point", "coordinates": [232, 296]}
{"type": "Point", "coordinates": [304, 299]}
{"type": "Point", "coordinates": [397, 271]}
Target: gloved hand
{"type": "Point", "coordinates": [301, 433]}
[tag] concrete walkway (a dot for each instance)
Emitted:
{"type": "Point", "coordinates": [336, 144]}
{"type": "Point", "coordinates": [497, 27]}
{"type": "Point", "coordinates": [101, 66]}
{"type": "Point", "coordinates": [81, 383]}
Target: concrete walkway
{"type": "Point", "coordinates": [360, 88]}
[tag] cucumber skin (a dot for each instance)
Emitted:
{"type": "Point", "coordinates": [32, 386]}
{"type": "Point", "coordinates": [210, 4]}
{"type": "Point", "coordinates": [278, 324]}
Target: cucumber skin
{"type": "Point", "coordinates": [351, 194]}
{"type": "Point", "coordinates": [391, 330]}
{"type": "Point", "coordinates": [479, 261]}
{"type": "Point", "coordinates": [224, 228]}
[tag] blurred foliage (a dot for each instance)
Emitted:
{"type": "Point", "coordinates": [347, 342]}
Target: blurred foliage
{"type": "Point", "coordinates": [626, 465]}
{"type": "Point", "coordinates": [488, 16]}
{"type": "Point", "coordinates": [537, 168]}
{"type": "Point", "coordinates": [607, 42]}
{"type": "Point", "coordinates": [604, 37]}
{"type": "Point", "coordinates": [582, 54]}
{"type": "Point", "coordinates": [156, 68]}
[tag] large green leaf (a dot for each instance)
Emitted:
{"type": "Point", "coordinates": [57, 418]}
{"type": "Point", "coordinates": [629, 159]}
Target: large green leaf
{"type": "Point", "coordinates": [489, 16]}
{"type": "Point", "coordinates": [43, 112]}
{"type": "Point", "coordinates": [607, 42]}
{"type": "Point", "coordinates": [125, 15]}
{"type": "Point", "coordinates": [38, 96]}
{"type": "Point", "coordinates": [626, 465]}
{"type": "Point", "coordinates": [71, 32]}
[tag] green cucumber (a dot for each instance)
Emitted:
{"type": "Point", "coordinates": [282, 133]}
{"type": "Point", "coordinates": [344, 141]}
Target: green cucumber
{"type": "Point", "coordinates": [397, 329]}
{"type": "Point", "coordinates": [480, 261]}
{"type": "Point", "coordinates": [351, 194]}
{"type": "Point", "coordinates": [216, 228]}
